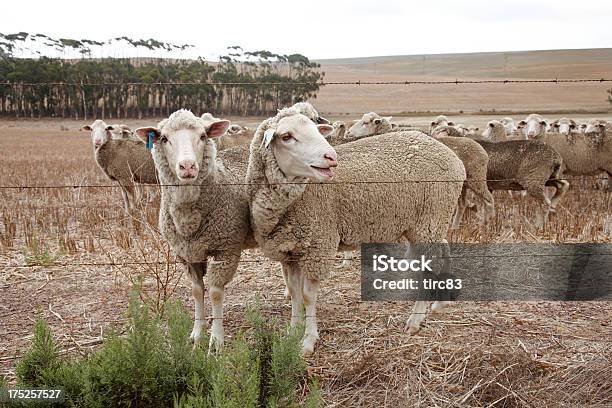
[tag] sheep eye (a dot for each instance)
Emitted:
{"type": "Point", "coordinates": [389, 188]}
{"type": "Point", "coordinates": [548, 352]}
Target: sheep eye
{"type": "Point", "coordinates": [203, 136]}
{"type": "Point", "coordinates": [286, 137]}
{"type": "Point", "coordinates": [377, 121]}
{"type": "Point", "coordinates": [163, 139]}
{"type": "Point", "coordinates": [572, 126]}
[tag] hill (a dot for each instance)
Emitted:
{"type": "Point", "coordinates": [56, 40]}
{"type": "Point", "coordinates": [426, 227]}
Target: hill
{"type": "Point", "coordinates": [566, 64]}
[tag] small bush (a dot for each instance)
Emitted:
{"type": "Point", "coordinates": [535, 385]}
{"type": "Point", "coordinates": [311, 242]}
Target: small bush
{"type": "Point", "coordinates": [154, 365]}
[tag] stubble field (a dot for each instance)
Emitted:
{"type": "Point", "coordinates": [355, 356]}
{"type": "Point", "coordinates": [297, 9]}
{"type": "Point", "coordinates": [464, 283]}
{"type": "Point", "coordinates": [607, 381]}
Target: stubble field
{"type": "Point", "coordinates": [73, 255]}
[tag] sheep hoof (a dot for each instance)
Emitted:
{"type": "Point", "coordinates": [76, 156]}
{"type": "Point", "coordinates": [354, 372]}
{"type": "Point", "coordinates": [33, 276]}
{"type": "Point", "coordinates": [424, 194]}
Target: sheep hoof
{"type": "Point", "coordinates": [308, 345]}
{"type": "Point", "coordinates": [413, 325]}
{"type": "Point", "coordinates": [438, 305]}
{"type": "Point", "coordinates": [214, 345]}
{"type": "Point", "coordinates": [196, 333]}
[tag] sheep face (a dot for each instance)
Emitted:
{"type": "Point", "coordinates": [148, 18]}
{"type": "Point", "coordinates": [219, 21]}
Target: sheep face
{"type": "Point", "coordinates": [234, 129]}
{"type": "Point", "coordinates": [370, 124]}
{"type": "Point", "coordinates": [101, 132]}
{"type": "Point", "coordinates": [509, 125]}
{"type": "Point", "coordinates": [565, 126]}
{"type": "Point", "coordinates": [300, 148]}
{"type": "Point", "coordinates": [339, 129]}
{"type": "Point", "coordinates": [184, 146]}
{"type": "Point", "coordinates": [534, 126]}
{"type": "Point", "coordinates": [494, 127]}
{"type": "Point", "coordinates": [595, 132]}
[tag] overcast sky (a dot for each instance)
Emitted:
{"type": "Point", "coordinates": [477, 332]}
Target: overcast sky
{"type": "Point", "coordinates": [325, 28]}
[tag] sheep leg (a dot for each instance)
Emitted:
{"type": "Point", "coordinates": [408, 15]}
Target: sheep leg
{"type": "Point", "coordinates": [537, 191]}
{"type": "Point", "coordinates": [440, 250]}
{"type": "Point", "coordinates": [295, 283]}
{"type": "Point", "coordinates": [561, 187]}
{"type": "Point", "coordinates": [222, 270]}
{"type": "Point", "coordinates": [126, 199]}
{"type": "Point", "coordinates": [348, 256]}
{"type": "Point", "coordinates": [286, 293]}
{"type": "Point", "coordinates": [311, 333]}
{"type": "Point", "coordinates": [460, 210]}
{"type": "Point", "coordinates": [418, 315]}
{"type": "Point", "coordinates": [196, 273]}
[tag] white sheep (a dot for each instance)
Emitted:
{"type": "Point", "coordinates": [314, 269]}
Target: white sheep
{"type": "Point", "coordinates": [122, 158]}
{"type": "Point", "coordinates": [303, 224]}
{"type": "Point", "coordinates": [495, 131]}
{"type": "Point", "coordinates": [533, 127]}
{"type": "Point", "coordinates": [509, 125]}
{"type": "Point", "coordinates": [566, 127]}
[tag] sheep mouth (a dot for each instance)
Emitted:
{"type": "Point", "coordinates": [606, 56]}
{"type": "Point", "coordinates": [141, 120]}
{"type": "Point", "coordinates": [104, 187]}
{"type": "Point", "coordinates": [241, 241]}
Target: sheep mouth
{"type": "Point", "coordinates": [326, 172]}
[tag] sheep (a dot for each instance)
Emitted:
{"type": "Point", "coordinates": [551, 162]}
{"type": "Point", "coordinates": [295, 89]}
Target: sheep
{"type": "Point", "coordinates": [121, 158]}
{"type": "Point", "coordinates": [446, 130]}
{"type": "Point", "coordinates": [473, 132]}
{"type": "Point", "coordinates": [528, 165]}
{"type": "Point", "coordinates": [204, 210]}
{"type": "Point", "coordinates": [580, 159]}
{"type": "Point", "coordinates": [566, 127]}
{"type": "Point", "coordinates": [236, 135]}
{"type": "Point", "coordinates": [509, 126]}
{"type": "Point", "coordinates": [495, 132]}
{"type": "Point", "coordinates": [440, 120]}
{"type": "Point", "coordinates": [596, 132]}
{"type": "Point", "coordinates": [339, 129]}
{"type": "Point", "coordinates": [534, 127]}
{"type": "Point", "coordinates": [472, 155]}
{"type": "Point", "coordinates": [303, 224]}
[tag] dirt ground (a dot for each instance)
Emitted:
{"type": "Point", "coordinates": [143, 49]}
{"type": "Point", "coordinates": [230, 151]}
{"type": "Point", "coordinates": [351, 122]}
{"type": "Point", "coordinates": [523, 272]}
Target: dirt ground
{"type": "Point", "coordinates": [473, 354]}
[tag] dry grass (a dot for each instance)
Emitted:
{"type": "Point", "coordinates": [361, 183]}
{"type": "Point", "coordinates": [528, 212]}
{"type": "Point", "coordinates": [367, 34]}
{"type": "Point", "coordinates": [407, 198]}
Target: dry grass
{"type": "Point", "coordinates": [473, 354]}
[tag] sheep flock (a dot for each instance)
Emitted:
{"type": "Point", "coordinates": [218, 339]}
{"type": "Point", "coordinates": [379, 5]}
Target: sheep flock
{"type": "Point", "coordinates": [301, 189]}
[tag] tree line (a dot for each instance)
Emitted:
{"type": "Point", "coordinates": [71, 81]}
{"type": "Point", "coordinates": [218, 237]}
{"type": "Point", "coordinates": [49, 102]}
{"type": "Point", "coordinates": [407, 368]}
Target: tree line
{"type": "Point", "coordinates": [39, 85]}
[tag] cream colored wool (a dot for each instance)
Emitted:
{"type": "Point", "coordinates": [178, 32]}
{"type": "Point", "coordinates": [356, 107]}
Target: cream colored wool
{"type": "Point", "coordinates": [211, 218]}
{"type": "Point", "coordinates": [309, 223]}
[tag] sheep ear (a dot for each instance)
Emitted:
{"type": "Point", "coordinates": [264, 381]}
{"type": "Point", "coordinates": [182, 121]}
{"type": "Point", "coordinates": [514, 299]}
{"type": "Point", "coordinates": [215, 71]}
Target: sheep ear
{"type": "Point", "coordinates": [148, 134]}
{"type": "Point", "coordinates": [110, 127]}
{"type": "Point", "coordinates": [126, 133]}
{"type": "Point", "coordinates": [388, 118]}
{"type": "Point", "coordinates": [86, 127]}
{"type": "Point", "coordinates": [325, 130]}
{"type": "Point", "coordinates": [217, 128]}
{"type": "Point", "coordinates": [267, 138]}
{"type": "Point", "coordinates": [322, 121]}
{"type": "Point", "coordinates": [394, 126]}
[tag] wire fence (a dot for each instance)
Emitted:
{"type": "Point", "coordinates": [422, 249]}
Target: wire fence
{"type": "Point", "coordinates": [321, 83]}
{"type": "Point", "coordinates": [352, 182]}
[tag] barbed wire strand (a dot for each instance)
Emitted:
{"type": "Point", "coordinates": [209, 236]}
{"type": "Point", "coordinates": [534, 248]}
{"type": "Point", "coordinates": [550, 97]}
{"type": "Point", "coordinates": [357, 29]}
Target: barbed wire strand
{"type": "Point", "coordinates": [353, 182]}
{"type": "Point", "coordinates": [321, 83]}
{"type": "Point", "coordinates": [297, 259]}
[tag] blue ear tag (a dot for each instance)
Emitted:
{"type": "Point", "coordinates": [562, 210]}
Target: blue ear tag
{"type": "Point", "coordinates": [150, 137]}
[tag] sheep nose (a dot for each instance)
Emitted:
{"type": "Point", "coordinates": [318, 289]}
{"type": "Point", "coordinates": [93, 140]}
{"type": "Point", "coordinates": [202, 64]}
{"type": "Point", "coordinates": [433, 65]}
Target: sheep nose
{"type": "Point", "coordinates": [188, 169]}
{"type": "Point", "coordinates": [332, 157]}
{"type": "Point", "coordinates": [187, 165]}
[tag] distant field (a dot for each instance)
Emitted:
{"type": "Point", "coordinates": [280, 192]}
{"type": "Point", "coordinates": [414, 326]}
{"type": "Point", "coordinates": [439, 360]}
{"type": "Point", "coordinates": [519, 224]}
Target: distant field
{"type": "Point", "coordinates": [566, 64]}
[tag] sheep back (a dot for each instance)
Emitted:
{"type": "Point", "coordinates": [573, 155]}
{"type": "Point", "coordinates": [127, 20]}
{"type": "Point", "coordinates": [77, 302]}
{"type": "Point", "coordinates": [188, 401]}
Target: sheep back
{"type": "Point", "coordinates": [126, 161]}
{"type": "Point", "coordinates": [526, 160]}
{"type": "Point", "coordinates": [387, 188]}
{"type": "Point", "coordinates": [579, 158]}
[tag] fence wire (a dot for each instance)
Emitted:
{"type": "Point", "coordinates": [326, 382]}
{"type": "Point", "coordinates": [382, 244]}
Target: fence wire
{"type": "Point", "coordinates": [321, 83]}
{"type": "Point", "coordinates": [354, 182]}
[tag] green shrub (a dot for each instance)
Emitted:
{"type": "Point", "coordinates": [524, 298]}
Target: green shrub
{"type": "Point", "coordinates": [154, 365]}
{"type": "Point", "coordinates": [42, 356]}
